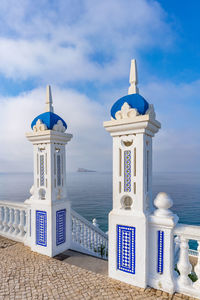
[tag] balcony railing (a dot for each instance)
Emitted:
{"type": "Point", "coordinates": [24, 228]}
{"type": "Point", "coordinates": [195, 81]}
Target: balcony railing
{"type": "Point", "coordinates": [188, 282]}
{"type": "Point", "coordinates": [13, 220]}
{"type": "Point", "coordinates": [88, 238]}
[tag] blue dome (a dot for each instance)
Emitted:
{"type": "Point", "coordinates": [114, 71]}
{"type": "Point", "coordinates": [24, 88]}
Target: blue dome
{"type": "Point", "coordinates": [49, 119]}
{"type": "Point", "coordinates": [134, 100]}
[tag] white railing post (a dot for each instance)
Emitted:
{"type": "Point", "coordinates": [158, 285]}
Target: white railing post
{"type": "Point", "coordinates": [184, 265]}
{"type": "Point", "coordinates": [197, 269]}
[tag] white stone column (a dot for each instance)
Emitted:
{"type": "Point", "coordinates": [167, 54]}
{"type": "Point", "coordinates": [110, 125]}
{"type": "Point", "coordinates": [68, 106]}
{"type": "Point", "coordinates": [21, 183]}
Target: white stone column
{"type": "Point", "coordinates": [49, 215]}
{"type": "Point", "coordinates": [132, 203]}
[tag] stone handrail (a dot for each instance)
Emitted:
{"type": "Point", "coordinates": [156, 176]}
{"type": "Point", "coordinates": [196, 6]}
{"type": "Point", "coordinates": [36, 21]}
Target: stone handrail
{"type": "Point", "coordinates": [183, 283]}
{"type": "Point", "coordinates": [13, 220]}
{"type": "Point", "coordinates": [87, 238]}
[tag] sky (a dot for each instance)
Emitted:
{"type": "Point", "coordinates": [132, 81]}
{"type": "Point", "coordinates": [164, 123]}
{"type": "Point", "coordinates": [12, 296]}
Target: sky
{"type": "Point", "coordinates": [83, 48]}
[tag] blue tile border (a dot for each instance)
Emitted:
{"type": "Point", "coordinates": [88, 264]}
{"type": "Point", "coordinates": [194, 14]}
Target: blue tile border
{"type": "Point", "coordinates": [127, 171]}
{"type": "Point", "coordinates": [42, 170]}
{"type": "Point", "coordinates": [41, 228]}
{"type": "Point", "coordinates": [60, 227]}
{"type": "Point", "coordinates": [58, 171]}
{"type": "Point", "coordinates": [126, 248]}
{"type": "Point", "coordinates": [160, 251]}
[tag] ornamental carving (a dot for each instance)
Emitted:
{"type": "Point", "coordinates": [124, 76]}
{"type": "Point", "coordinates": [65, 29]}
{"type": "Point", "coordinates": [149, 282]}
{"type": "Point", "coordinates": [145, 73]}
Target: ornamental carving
{"type": "Point", "coordinates": [151, 112]}
{"type": "Point", "coordinates": [39, 126]}
{"type": "Point", "coordinates": [126, 112]}
{"type": "Point", "coordinates": [59, 126]}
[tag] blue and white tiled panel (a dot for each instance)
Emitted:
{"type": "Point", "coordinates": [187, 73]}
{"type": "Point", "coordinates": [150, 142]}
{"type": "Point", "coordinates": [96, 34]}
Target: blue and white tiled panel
{"type": "Point", "coordinates": [41, 228]}
{"type": "Point", "coordinates": [160, 253]}
{"type": "Point", "coordinates": [60, 227]}
{"type": "Point", "coordinates": [58, 170]}
{"type": "Point", "coordinates": [127, 171]}
{"type": "Point", "coordinates": [42, 170]}
{"type": "Point", "coordinates": [126, 248]}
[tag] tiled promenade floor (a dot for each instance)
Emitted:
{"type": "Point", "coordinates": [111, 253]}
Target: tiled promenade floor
{"type": "Point", "coordinates": [27, 275]}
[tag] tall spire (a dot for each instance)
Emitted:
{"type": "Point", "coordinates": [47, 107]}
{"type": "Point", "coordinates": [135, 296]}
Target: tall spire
{"type": "Point", "coordinates": [49, 101]}
{"type": "Point", "coordinates": [133, 89]}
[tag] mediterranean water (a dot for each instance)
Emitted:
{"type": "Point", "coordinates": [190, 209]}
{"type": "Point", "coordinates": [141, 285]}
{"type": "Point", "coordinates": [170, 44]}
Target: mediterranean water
{"type": "Point", "coordinates": [91, 193]}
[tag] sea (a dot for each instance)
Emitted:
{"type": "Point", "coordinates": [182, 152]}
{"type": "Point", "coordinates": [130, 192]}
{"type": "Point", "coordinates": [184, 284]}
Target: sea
{"type": "Point", "coordinates": [90, 193]}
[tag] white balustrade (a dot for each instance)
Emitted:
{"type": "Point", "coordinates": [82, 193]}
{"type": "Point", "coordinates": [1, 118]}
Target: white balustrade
{"type": "Point", "coordinates": [13, 220]}
{"type": "Point", "coordinates": [88, 238]}
{"type": "Point", "coordinates": [184, 284]}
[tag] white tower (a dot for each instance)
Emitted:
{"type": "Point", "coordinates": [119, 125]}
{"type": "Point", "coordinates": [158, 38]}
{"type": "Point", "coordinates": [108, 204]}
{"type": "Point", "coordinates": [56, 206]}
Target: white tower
{"type": "Point", "coordinates": [49, 214]}
{"type": "Point", "coordinates": [132, 127]}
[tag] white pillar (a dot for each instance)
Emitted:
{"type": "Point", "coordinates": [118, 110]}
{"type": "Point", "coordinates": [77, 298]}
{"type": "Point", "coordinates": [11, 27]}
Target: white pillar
{"type": "Point", "coordinates": [132, 134]}
{"type": "Point", "coordinates": [49, 216]}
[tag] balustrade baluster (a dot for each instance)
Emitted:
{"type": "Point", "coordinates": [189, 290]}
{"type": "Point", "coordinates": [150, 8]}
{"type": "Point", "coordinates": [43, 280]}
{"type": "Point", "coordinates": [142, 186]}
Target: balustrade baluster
{"type": "Point", "coordinates": [94, 244]}
{"type": "Point", "coordinates": [106, 249]}
{"type": "Point", "coordinates": [74, 230]}
{"type": "Point", "coordinates": [82, 234]}
{"type": "Point", "coordinates": [81, 226]}
{"type": "Point", "coordinates": [197, 269]}
{"type": "Point", "coordinates": [89, 239]}
{"type": "Point", "coordinates": [92, 240]}
{"type": "Point", "coordinates": [78, 232]}
{"type": "Point", "coordinates": [11, 220]}
{"type": "Point", "coordinates": [1, 217]}
{"type": "Point", "coordinates": [5, 221]}
{"type": "Point", "coordinates": [26, 216]}
{"type": "Point", "coordinates": [72, 227]}
{"type": "Point", "coordinates": [21, 223]}
{"type": "Point", "coordinates": [99, 244]}
{"type": "Point", "coordinates": [86, 237]}
{"type": "Point", "coordinates": [184, 265]}
{"type": "Point", "coordinates": [16, 221]}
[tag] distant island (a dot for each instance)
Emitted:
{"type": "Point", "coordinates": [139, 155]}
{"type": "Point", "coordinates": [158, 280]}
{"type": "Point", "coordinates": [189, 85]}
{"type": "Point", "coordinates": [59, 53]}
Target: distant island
{"type": "Point", "coordinates": [84, 170]}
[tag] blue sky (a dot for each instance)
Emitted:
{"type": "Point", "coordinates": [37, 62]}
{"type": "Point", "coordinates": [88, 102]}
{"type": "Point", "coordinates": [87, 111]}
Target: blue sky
{"type": "Point", "coordinates": [83, 49]}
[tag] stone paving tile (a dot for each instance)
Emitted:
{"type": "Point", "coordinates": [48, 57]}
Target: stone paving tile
{"type": "Point", "coordinates": [27, 275]}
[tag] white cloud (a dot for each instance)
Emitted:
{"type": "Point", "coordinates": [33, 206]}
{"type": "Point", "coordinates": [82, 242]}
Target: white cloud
{"type": "Point", "coordinates": [63, 41]}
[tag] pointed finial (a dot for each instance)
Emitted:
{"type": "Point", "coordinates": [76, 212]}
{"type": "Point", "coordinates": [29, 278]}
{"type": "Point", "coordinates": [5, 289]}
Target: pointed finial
{"type": "Point", "coordinates": [133, 89]}
{"type": "Point", "coordinates": [49, 101]}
